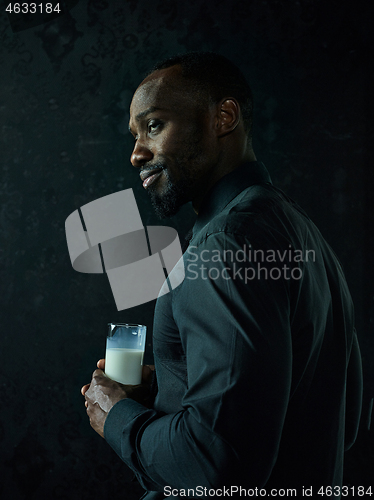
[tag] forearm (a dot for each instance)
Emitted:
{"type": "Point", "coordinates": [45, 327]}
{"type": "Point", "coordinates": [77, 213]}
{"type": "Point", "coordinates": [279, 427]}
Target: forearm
{"type": "Point", "coordinates": [195, 447]}
{"type": "Point", "coordinates": [165, 449]}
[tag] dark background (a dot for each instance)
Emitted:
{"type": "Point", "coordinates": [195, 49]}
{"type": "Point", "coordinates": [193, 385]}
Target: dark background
{"type": "Point", "coordinates": [65, 89]}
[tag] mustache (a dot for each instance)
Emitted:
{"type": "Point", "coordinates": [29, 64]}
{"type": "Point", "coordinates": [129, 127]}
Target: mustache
{"type": "Point", "coordinates": [151, 166]}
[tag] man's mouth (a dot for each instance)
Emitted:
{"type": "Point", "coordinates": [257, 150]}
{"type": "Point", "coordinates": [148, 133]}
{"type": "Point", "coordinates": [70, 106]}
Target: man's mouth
{"type": "Point", "coordinates": [149, 176]}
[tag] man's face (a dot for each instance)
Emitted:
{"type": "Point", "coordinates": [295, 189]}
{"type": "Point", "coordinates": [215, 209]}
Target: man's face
{"type": "Point", "coordinates": [175, 146]}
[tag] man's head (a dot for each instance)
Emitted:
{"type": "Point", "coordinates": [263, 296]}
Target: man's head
{"type": "Point", "coordinates": [192, 120]}
{"type": "Point", "coordinates": [213, 77]}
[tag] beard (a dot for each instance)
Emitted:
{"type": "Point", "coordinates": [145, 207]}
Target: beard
{"type": "Point", "coordinates": [171, 199]}
{"type": "Point", "coordinates": [174, 193]}
{"type": "Point", "coordinates": [177, 192]}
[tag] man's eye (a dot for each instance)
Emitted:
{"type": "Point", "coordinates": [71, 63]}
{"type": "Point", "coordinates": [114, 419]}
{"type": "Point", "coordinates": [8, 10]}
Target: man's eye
{"type": "Point", "coordinates": [153, 126]}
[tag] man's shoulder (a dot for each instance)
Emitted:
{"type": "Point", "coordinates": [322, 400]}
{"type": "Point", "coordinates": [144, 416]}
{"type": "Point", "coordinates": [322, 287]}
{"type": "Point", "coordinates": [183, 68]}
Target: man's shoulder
{"type": "Point", "coordinates": [257, 210]}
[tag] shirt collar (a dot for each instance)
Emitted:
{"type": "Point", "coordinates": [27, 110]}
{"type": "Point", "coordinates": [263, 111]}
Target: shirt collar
{"type": "Point", "coordinates": [229, 186]}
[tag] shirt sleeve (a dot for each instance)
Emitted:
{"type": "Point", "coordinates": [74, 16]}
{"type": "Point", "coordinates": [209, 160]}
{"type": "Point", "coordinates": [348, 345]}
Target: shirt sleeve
{"type": "Point", "coordinates": [235, 330]}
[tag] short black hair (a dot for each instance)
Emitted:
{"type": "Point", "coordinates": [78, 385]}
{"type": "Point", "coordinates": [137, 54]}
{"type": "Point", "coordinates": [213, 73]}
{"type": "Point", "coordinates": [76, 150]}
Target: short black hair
{"type": "Point", "coordinates": [217, 76]}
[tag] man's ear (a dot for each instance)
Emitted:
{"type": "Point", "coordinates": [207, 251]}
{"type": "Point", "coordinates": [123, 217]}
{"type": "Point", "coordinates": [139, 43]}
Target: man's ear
{"type": "Point", "coordinates": [228, 116]}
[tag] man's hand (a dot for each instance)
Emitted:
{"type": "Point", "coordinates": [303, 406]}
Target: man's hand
{"type": "Point", "coordinates": [103, 393]}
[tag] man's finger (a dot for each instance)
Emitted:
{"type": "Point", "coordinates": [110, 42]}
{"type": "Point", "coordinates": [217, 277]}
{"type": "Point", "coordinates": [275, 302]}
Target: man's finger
{"type": "Point", "coordinates": [85, 389]}
{"type": "Point", "coordinates": [101, 364]}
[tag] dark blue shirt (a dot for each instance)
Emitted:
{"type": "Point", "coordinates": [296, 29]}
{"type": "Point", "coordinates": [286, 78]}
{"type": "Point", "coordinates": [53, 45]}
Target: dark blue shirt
{"type": "Point", "coordinates": [257, 360]}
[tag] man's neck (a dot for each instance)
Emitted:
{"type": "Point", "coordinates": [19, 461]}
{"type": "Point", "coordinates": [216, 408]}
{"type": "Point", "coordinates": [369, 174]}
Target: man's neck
{"type": "Point", "coordinates": [220, 172]}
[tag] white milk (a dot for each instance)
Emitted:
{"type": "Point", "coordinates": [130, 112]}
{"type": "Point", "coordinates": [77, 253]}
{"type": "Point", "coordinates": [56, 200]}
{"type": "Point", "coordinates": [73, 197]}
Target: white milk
{"type": "Point", "coordinates": [124, 365]}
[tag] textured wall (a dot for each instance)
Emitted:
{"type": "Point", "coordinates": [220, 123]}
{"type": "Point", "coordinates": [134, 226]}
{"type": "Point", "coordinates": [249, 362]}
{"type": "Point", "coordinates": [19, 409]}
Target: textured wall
{"type": "Point", "coordinates": [65, 89]}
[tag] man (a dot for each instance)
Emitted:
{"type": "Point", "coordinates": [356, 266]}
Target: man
{"type": "Point", "coordinates": [256, 356]}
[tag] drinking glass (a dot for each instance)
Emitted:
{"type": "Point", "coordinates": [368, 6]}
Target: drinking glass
{"type": "Point", "coordinates": [124, 352]}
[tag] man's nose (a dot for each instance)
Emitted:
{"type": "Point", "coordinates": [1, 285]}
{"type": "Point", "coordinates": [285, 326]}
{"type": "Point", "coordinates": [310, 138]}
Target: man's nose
{"type": "Point", "coordinates": [140, 155]}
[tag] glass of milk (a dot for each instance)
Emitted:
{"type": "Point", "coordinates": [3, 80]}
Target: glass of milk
{"type": "Point", "coordinates": [125, 346]}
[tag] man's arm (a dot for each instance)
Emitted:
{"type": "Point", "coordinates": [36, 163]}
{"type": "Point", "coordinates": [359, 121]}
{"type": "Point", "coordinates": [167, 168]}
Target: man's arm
{"type": "Point", "coordinates": [237, 341]}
